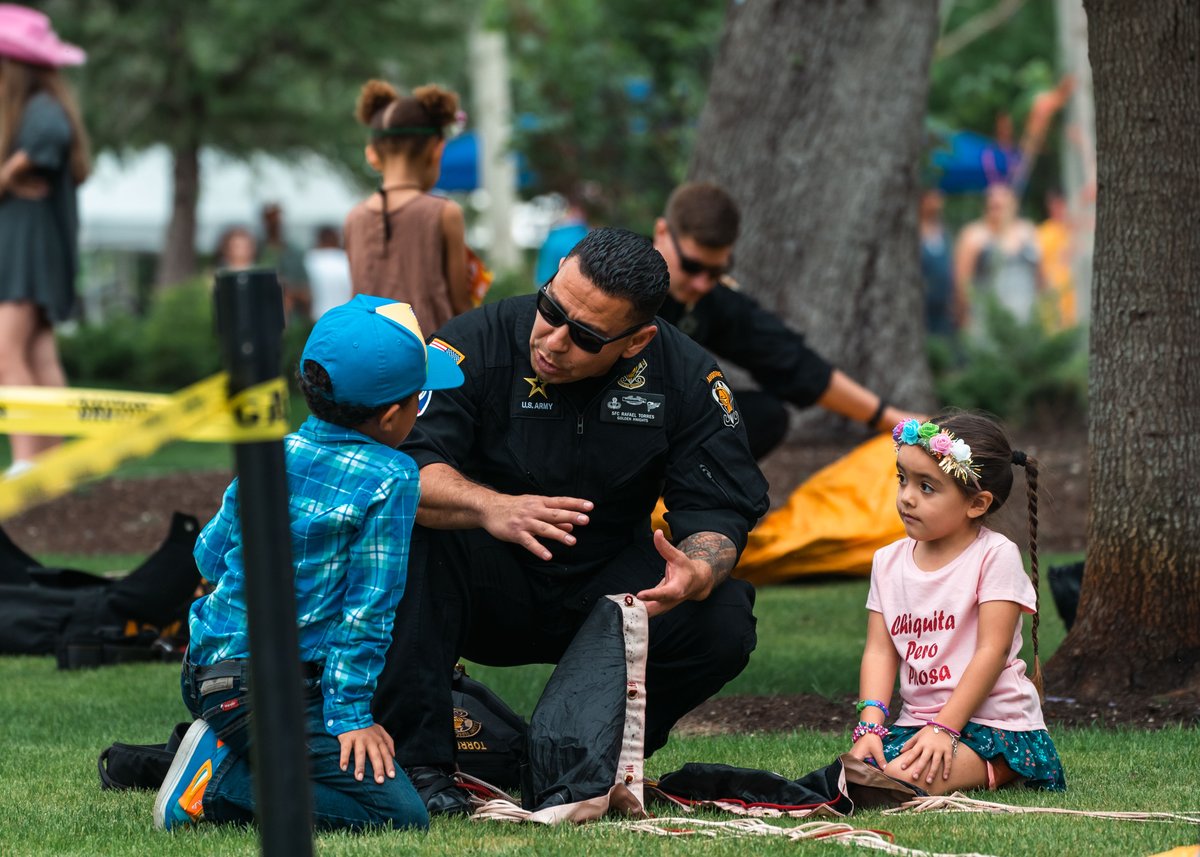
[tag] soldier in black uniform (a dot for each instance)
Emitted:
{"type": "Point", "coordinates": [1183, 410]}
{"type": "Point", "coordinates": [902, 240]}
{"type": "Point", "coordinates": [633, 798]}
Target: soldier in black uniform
{"type": "Point", "coordinates": [696, 237]}
{"type": "Point", "coordinates": [538, 478]}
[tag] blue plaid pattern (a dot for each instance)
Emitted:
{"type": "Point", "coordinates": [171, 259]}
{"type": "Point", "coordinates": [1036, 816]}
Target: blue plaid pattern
{"type": "Point", "coordinates": [351, 503]}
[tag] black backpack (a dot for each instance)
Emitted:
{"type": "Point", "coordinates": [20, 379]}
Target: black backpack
{"type": "Point", "coordinates": [490, 736]}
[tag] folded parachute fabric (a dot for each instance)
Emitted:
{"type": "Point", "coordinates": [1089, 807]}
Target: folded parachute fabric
{"type": "Point", "coordinates": [587, 732]}
{"type": "Point", "coordinates": [836, 790]}
{"type": "Point", "coordinates": [833, 522]}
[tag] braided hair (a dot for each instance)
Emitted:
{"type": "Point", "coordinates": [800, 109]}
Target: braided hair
{"type": "Point", "coordinates": [992, 453]}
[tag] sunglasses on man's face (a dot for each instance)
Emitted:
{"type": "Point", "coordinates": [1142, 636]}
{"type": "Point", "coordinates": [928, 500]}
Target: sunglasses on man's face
{"type": "Point", "coordinates": [582, 335]}
{"type": "Point", "coordinates": [692, 267]}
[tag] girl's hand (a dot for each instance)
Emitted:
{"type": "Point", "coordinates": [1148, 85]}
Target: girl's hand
{"type": "Point", "coordinates": [926, 753]}
{"type": "Point", "coordinates": [869, 747]}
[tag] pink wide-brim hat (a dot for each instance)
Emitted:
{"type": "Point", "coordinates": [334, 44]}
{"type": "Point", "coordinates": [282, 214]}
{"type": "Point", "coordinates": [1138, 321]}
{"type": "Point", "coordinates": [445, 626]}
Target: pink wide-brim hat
{"type": "Point", "coordinates": [26, 35]}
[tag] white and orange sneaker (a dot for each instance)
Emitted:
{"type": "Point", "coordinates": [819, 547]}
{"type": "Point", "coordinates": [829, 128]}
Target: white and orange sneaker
{"type": "Point", "coordinates": [180, 800]}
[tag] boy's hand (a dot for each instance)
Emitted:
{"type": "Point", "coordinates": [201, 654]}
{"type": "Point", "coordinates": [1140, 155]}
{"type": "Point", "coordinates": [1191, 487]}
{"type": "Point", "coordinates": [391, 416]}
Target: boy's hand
{"type": "Point", "coordinates": [373, 742]}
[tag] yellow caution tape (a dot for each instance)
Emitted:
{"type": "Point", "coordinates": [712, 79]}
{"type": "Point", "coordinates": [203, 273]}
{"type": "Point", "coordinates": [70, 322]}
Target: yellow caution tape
{"type": "Point", "coordinates": [85, 413]}
{"type": "Point", "coordinates": [118, 426]}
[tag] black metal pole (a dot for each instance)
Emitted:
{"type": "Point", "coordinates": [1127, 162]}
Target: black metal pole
{"type": "Point", "coordinates": [249, 315]}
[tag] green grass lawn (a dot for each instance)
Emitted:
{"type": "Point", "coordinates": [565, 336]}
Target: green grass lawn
{"type": "Point", "coordinates": [53, 724]}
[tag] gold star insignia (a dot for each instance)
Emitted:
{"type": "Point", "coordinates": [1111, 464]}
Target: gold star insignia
{"type": "Point", "coordinates": [536, 385]}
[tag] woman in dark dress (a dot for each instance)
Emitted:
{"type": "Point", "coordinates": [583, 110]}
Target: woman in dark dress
{"type": "Point", "coordinates": [43, 158]}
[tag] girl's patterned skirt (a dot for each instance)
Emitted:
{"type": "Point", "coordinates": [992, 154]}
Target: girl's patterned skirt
{"type": "Point", "coordinates": [1031, 755]}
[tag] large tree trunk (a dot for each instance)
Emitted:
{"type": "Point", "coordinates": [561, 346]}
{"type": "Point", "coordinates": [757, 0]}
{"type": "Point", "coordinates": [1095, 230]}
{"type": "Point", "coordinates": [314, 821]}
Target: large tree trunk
{"type": "Point", "coordinates": [814, 122]}
{"type": "Point", "coordinates": [1138, 626]}
{"type": "Point", "coordinates": [178, 260]}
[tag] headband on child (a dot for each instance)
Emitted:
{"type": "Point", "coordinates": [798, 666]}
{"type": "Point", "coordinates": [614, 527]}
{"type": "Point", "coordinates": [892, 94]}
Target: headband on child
{"type": "Point", "coordinates": [952, 454]}
{"type": "Point", "coordinates": [449, 131]}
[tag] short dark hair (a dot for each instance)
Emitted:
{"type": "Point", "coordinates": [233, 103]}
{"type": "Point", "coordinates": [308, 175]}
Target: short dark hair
{"type": "Point", "coordinates": [625, 265]}
{"type": "Point", "coordinates": [317, 387]}
{"type": "Point", "coordinates": [704, 212]}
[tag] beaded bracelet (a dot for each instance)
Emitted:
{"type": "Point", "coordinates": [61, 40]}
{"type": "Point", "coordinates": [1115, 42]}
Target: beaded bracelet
{"type": "Point", "coordinates": [872, 703]}
{"type": "Point", "coordinates": [864, 728]}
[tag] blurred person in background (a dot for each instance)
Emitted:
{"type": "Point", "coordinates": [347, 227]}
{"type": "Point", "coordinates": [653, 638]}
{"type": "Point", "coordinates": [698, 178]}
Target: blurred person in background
{"type": "Point", "coordinates": [404, 243]}
{"type": "Point", "coordinates": [288, 262]}
{"type": "Point", "coordinates": [566, 232]}
{"type": "Point", "coordinates": [328, 272]}
{"type": "Point", "coordinates": [696, 237]}
{"type": "Point", "coordinates": [237, 249]}
{"type": "Point", "coordinates": [936, 267]}
{"type": "Point", "coordinates": [996, 258]}
{"type": "Point", "coordinates": [43, 158]}
{"type": "Point", "coordinates": [1056, 240]}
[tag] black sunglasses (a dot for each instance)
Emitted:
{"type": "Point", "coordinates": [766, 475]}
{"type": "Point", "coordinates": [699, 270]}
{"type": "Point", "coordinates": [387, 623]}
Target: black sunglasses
{"type": "Point", "coordinates": [695, 266]}
{"type": "Point", "coordinates": [580, 334]}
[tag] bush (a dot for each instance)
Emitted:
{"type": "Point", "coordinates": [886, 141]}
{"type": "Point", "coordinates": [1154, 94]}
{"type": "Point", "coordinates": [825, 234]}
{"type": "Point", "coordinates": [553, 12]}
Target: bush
{"type": "Point", "coordinates": [174, 345]}
{"type": "Point", "coordinates": [1027, 376]}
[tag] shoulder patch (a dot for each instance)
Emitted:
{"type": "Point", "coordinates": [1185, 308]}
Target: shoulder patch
{"type": "Point", "coordinates": [443, 345]}
{"type": "Point", "coordinates": [723, 396]}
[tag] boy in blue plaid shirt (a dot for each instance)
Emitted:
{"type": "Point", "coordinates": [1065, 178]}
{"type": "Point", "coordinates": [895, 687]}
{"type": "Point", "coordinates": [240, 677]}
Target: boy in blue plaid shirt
{"type": "Point", "coordinates": [352, 499]}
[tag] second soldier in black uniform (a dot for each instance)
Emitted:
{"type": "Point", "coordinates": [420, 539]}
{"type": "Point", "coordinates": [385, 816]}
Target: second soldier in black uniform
{"type": "Point", "coordinates": [539, 475]}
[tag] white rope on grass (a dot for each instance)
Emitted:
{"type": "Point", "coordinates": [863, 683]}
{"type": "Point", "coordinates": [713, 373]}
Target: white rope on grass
{"type": "Point", "coordinates": [833, 831]}
{"type": "Point", "coordinates": [958, 802]}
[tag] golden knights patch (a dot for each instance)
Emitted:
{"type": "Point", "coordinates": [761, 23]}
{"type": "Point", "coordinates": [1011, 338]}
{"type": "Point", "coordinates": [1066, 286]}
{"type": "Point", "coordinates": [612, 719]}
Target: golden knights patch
{"type": "Point", "coordinates": [723, 396]}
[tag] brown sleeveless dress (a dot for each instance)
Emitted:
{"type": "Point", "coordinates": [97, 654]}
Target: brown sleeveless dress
{"type": "Point", "coordinates": [411, 266]}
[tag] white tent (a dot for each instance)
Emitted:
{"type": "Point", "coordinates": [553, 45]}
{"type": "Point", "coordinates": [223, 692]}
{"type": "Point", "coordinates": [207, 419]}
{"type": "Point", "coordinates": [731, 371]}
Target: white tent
{"type": "Point", "coordinates": [126, 203]}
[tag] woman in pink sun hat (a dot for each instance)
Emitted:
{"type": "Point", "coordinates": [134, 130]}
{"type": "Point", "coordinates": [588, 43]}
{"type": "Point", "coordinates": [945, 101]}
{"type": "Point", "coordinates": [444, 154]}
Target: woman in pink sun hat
{"type": "Point", "coordinates": [43, 158]}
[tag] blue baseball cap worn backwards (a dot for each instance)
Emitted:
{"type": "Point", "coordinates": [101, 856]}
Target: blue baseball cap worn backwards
{"type": "Point", "coordinates": [375, 354]}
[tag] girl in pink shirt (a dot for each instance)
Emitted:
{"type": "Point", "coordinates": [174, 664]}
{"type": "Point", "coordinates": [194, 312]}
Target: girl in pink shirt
{"type": "Point", "coordinates": [945, 609]}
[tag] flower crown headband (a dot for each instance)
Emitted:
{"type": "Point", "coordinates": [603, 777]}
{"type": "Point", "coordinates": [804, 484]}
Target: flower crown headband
{"type": "Point", "coordinates": [952, 454]}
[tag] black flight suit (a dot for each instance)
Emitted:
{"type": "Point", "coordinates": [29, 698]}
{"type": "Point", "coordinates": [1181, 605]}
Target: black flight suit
{"type": "Point", "coordinates": [661, 423]}
{"type": "Point", "coordinates": [738, 331]}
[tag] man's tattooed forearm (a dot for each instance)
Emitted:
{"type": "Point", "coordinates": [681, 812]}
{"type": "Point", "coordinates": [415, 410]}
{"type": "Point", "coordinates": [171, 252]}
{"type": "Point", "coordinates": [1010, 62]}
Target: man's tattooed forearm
{"type": "Point", "coordinates": [714, 549]}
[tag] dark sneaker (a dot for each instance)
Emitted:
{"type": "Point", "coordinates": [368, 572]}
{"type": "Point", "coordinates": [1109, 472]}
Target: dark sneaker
{"type": "Point", "coordinates": [181, 799]}
{"type": "Point", "coordinates": [438, 790]}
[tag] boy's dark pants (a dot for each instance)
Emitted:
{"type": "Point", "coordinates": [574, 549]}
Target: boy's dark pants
{"type": "Point", "coordinates": [471, 595]}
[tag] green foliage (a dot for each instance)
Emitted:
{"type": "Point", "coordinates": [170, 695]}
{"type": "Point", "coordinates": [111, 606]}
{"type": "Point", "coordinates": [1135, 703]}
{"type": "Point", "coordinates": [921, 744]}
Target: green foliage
{"type": "Point", "coordinates": [243, 77]}
{"type": "Point", "coordinates": [1020, 372]}
{"type": "Point", "coordinates": [609, 93]}
{"type": "Point", "coordinates": [518, 281]}
{"type": "Point", "coordinates": [171, 347]}
{"type": "Point", "coordinates": [997, 73]}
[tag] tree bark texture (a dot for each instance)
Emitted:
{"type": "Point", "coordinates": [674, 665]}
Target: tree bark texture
{"type": "Point", "coordinates": [1138, 625]}
{"type": "Point", "coordinates": [178, 260]}
{"type": "Point", "coordinates": [814, 123]}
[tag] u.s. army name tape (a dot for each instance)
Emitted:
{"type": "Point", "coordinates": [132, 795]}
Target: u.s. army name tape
{"type": "Point", "coordinates": [120, 426]}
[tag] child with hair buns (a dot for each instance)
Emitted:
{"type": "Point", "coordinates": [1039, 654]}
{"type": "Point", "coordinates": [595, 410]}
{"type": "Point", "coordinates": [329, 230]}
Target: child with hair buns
{"type": "Point", "coordinates": [404, 243]}
{"type": "Point", "coordinates": [945, 609]}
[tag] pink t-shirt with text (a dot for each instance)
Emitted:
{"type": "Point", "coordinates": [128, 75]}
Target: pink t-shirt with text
{"type": "Point", "coordinates": [933, 619]}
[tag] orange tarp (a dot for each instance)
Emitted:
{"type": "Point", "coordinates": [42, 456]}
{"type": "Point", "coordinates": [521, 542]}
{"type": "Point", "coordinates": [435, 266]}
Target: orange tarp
{"type": "Point", "coordinates": [833, 522]}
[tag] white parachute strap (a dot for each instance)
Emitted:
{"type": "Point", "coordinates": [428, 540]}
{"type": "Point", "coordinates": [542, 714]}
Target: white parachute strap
{"type": "Point", "coordinates": [832, 831]}
{"type": "Point", "coordinates": [958, 802]}
{"type": "Point", "coordinates": [500, 810]}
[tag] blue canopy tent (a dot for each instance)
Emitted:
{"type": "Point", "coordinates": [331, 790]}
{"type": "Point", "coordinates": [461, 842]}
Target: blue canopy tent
{"type": "Point", "coordinates": [460, 163]}
{"type": "Point", "coordinates": [968, 162]}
